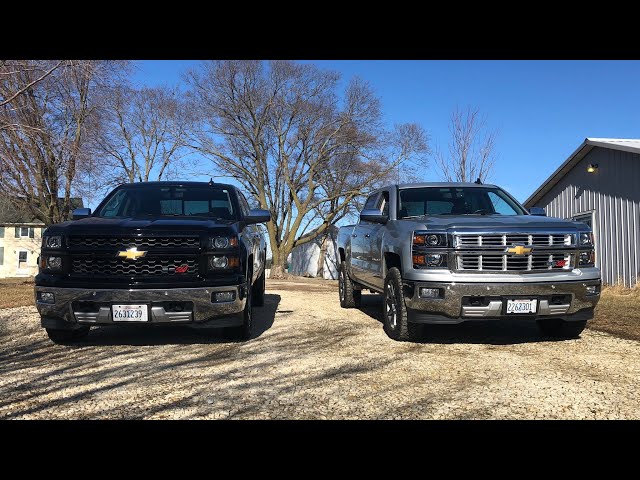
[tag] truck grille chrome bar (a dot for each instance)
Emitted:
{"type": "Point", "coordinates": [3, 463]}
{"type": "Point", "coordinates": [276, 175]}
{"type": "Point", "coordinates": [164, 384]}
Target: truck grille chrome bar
{"type": "Point", "coordinates": [489, 252]}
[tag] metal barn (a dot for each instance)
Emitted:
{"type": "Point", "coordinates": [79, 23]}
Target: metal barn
{"type": "Point", "coordinates": [599, 184]}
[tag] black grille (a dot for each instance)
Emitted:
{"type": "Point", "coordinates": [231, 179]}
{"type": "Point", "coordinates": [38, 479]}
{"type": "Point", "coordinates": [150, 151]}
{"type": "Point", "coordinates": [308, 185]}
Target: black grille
{"type": "Point", "coordinates": [140, 242]}
{"type": "Point", "coordinates": [143, 267]}
{"type": "Point", "coordinates": [500, 262]}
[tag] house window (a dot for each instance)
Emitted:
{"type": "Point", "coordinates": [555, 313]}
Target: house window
{"type": "Point", "coordinates": [25, 232]}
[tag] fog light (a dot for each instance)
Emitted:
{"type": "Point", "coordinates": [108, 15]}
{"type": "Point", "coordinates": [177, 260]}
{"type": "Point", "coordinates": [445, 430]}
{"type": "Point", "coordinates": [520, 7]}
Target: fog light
{"type": "Point", "coordinates": [46, 297]}
{"type": "Point", "coordinates": [54, 263]}
{"type": "Point", "coordinates": [592, 290]}
{"type": "Point", "coordinates": [219, 262]}
{"type": "Point", "coordinates": [430, 292]}
{"type": "Point", "coordinates": [225, 296]}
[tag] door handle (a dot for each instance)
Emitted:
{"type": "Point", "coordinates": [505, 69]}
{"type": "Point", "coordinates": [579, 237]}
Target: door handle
{"type": "Point", "coordinates": [367, 235]}
{"type": "Point", "coordinates": [354, 235]}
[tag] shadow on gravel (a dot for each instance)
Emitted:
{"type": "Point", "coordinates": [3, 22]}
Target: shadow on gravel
{"type": "Point", "coordinates": [490, 332]}
{"type": "Point", "coordinates": [137, 335]}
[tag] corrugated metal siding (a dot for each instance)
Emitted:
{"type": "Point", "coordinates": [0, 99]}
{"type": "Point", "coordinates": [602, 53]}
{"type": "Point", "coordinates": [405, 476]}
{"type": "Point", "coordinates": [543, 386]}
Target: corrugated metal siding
{"type": "Point", "coordinates": [613, 194]}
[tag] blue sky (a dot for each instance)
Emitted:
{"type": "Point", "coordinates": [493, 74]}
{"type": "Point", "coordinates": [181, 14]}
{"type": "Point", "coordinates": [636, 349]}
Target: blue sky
{"type": "Point", "coordinates": [542, 110]}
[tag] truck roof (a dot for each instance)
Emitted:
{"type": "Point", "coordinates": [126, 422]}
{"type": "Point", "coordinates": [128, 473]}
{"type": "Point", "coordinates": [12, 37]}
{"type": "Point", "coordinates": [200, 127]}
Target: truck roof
{"type": "Point", "coordinates": [443, 184]}
{"type": "Point", "coordinates": [176, 183]}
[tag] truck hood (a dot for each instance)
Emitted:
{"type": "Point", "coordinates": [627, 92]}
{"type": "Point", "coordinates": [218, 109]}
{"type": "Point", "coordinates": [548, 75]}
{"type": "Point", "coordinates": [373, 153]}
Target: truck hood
{"type": "Point", "coordinates": [114, 225]}
{"type": "Point", "coordinates": [493, 222]}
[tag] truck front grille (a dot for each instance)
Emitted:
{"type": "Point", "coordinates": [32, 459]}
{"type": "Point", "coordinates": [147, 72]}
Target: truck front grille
{"type": "Point", "coordinates": [535, 262]}
{"type": "Point", "coordinates": [543, 251]}
{"type": "Point", "coordinates": [143, 267]}
{"type": "Point", "coordinates": [119, 241]}
{"type": "Point", "coordinates": [507, 239]}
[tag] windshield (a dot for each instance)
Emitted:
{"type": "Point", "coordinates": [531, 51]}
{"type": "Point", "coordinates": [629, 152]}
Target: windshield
{"type": "Point", "coordinates": [416, 202]}
{"type": "Point", "coordinates": [210, 202]}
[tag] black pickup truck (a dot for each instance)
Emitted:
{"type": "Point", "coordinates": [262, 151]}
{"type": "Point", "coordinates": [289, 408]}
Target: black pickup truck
{"type": "Point", "coordinates": [154, 253]}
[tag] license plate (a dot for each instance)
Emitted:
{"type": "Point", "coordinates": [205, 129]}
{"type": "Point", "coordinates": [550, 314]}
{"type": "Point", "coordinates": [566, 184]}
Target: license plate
{"type": "Point", "coordinates": [521, 306]}
{"type": "Point", "coordinates": [130, 313]}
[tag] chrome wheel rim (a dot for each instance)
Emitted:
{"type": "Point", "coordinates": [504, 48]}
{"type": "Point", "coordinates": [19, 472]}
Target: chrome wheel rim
{"type": "Point", "coordinates": [391, 308]}
{"type": "Point", "coordinates": [341, 286]}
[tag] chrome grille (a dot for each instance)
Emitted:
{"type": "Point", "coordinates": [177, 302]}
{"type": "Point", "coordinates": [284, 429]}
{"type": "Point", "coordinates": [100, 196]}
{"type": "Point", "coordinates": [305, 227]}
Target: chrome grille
{"type": "Point", "coordinates": [144, 267]}
{"type": "Point", "coordinates": [507, 239]}
{"type": "Point", "coordinates": [504, 262]}
{"type": "Point", "coordinates": [90, 241]}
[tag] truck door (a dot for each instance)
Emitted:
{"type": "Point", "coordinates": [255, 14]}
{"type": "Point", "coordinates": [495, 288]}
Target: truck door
{"type": "Point", "coordinates": [360, 243]}
{"type": "Point", "coordinates": [376, 232]}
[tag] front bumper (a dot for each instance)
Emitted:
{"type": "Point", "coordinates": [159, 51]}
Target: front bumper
{"type": "Point", "coordinates": [461, 302]}
{"type": "Point", "coordinates": [70, 307]}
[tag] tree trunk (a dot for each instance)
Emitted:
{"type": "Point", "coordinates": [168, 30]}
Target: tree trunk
{"type": "Point", "coordinates": [278, 271]}
{"type": "Point", "coordinates": [322, 256]}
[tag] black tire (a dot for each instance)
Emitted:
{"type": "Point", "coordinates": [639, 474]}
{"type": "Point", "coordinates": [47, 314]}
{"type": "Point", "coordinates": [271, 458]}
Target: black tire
{"type": "Point", "coordinates": [349, 296]}
{"type": "Point", "coordinates": [394, 310]}
{"type": "Point", "coordinates": [258, 290]}
{"type": "Point", "coordinates": [556, 327]}
{"type": "Point", "coordinates": [244, 331]}
{"type": "Point", "coordinates": [63, 337]}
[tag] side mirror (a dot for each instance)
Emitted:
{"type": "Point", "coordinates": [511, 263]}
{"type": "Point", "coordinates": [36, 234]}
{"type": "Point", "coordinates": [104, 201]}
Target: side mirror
{"type": "Point", "coordinates": [257, 216]}
{"type": "Point", "coordinates": [79, 213]}
{"type": "Point", "coordinates": [539, 211]}
{"type": "Point", "coordinates": [373, 215]}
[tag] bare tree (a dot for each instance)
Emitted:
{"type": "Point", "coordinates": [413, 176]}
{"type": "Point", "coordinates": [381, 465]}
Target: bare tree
{"type": "Point", "coordinates": [40, 70]}
{"type": "Point", "coordinates": [43, 139]}
{"type": "Point", "coordinates": [471, 152]}
{"type": "Point", "coordinates": [302, 152]}
{"type": "Point", "coordinates": [143, 133]}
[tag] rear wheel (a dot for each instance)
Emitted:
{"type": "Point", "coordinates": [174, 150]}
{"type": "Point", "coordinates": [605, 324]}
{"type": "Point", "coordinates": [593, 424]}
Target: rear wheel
{"type": "Point", "coordinates": [349, 296]}
{"type": "Point", "coordinates": [394, 310]}
{"type": "Point", "coordinates": [258, 290]}
{"type": "Point", "coordinates": [67, 336]}
{"type": "Point", "coordinates": [556, 327]}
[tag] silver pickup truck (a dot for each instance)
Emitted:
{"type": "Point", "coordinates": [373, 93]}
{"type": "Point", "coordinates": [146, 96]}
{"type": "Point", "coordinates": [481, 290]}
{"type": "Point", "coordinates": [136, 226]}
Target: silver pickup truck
{"type": "Point", "coordinates": [455, 252]}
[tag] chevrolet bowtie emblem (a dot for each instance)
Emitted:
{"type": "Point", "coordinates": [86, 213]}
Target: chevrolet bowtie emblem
{"type": "Point", "coordinates": [519, 250]}
{"type": "Point", "coordinates": [132, 254]}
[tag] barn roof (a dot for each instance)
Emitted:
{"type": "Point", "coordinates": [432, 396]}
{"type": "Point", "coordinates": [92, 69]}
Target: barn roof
{"type": "Point", "coordinates": [624, 144]}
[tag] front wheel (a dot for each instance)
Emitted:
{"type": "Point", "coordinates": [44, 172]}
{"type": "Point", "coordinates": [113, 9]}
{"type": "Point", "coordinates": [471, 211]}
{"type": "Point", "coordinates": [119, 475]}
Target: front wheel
{"type": "Point", "coordinates": [394, 310]}
{"type": "Point", "coordinates": [349, 296]}
{"type": "Point", "coordinates": [556, 327]}
{"type": "Point", "coordinates": [258, 290]}
{"type": "Point", "coordinates": [244, 331]}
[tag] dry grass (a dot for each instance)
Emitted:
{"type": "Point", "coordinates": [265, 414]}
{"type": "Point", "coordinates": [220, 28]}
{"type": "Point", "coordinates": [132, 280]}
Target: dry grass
{"type": "Point", "coordinates": [618, 312]}
{"type": "Point", "coordinates": [16, 292]}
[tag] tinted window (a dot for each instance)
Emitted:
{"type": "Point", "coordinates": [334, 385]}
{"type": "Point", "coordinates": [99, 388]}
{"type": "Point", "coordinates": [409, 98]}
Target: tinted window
{"type": "Point", "coordinates": [170, 201]}
{"type": "Point", "coordinates": [456, 201]}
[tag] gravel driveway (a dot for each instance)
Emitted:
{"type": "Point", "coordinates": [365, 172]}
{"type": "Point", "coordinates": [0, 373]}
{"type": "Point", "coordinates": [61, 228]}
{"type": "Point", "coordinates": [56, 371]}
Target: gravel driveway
{"type": "Point", "coordinates": [311, 359]}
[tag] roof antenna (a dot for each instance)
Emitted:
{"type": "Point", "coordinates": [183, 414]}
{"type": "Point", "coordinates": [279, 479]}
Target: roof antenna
{"type": "Point", "coordinates": [211, 181]}
{"type": "Point", "coordinates": [478, 181]}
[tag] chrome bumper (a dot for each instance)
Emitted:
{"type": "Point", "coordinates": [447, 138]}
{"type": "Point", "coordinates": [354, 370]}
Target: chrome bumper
{"type": "Point", "coordinates": [203, 308]}
{"type": "Point", "coordinates": [451, 308]}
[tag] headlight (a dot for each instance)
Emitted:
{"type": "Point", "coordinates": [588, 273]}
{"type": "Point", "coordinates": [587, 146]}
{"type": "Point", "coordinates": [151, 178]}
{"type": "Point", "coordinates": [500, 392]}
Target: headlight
{"type": "Point", "coordinates": [51, 263]}
{"type": "Point", "coordinates": [586, 239]}
{"type": "Point", "coordinates": [53, 241]}
{"type": "Point", "coordinates": [587, 259]}
{"type": "Point", "coordinates": [223, 242]}
{"type": "Point", "coordinates": [430, 239]}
